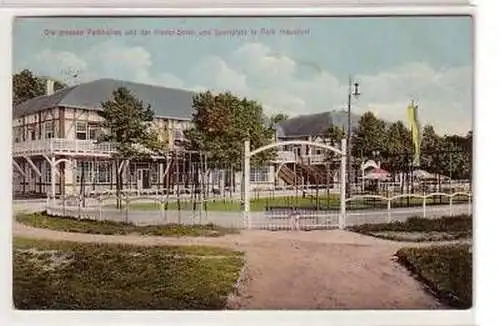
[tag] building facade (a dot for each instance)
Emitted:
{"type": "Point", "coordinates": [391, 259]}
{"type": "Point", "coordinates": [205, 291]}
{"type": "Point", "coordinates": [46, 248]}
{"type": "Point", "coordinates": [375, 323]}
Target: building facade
{"type": "Point", "coordinates": [60, 130]}
{"type": "Point", "coordinates": [55, 149]}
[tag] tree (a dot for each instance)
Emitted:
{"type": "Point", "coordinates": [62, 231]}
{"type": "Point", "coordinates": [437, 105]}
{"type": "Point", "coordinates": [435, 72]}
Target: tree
{"type": "Point", "coordinates": [398, 147]}
{"type": "Point", "coordinates": [128, 123]}
{"type": "Point", "coordinates": [335, 136]}
{"type": "Point", "coordinates": [279, 117]}
{"type": "Point", "coordinates": [369, 136]}
{"type": "Point", "coordinates": [457, 162]}
{"type": "Point", "coordinates": [431, 146]}
{"type": "Point", "coordinates": [222, 122]}
{"type": "Point", "coordinates": [26, 85]}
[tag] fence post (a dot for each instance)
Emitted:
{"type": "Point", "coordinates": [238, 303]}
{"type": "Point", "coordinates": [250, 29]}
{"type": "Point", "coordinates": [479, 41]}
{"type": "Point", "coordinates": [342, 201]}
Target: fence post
{"type": "Point", "coordinates": [342, 217]}
{"type": "Point", "coordinates": [469, 206]}
{"type": "Point", "coordinates": [126, 208]}
{"type": "Point", "coordinates": [100, 200]}
{"type": "Point", "coordinates": [80, 200]}
{"type": "Point", "coordinates": [246, 184]}
{"type": "Point", "coordinates": [64, 205]}
{"type": "Point", "coordinates": [389, 217]}
{"type": "Point", "coordinates": [451, 206]}
{"type": "Point", "coordinates": [162, 208]}
{"type": "Point", "coordinates": [423, 206]}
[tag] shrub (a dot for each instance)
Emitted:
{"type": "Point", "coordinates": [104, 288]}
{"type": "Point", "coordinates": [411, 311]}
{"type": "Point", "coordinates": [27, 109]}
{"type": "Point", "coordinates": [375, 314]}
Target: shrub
{"type": "Point", "coordinates": [455, 227]}
{"type": "Point", "coordinates": [446, 270]}
{"type": "Point", "coordinates": [70, 224]}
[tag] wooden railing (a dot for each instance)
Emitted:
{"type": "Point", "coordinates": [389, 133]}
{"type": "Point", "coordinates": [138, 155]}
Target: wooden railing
{"type": "Point", "coordinates": [289, 157]}
{"type": "Point", "coordinates": [61, 146]}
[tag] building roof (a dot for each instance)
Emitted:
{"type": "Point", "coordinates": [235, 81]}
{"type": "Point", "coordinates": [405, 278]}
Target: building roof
{"type": "Point", "coordinates": [314, 124]}
{"type": "Point", "coordinates": [165, 102]}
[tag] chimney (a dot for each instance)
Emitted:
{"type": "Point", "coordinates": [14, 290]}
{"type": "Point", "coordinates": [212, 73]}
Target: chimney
{"type": "Point", "coordinates": [50, 87]}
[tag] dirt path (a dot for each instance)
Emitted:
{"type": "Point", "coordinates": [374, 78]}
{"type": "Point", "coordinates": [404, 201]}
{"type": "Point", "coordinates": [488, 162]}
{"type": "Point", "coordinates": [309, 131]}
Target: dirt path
{"type": "Point", "coordinates": [299, 270]}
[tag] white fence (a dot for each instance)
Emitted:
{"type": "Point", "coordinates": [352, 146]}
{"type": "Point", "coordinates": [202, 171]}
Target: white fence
{"type": "Point", "coordinates": [150, 210]}
{"type": "Point", "coordinates": [424, 198]}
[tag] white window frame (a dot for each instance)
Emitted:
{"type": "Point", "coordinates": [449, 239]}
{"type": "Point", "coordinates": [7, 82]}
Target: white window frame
{"type": "Point", "coordinates": [103, 172]}
{"type": "Point", "coordinates": [81, 130]}
{"type": "Point", "coordinates": [49, 129]}
{"type": "Point", "coordinates": [88, 172]}
{"type": "Point", "coordinates": [32, 132]}
{"type": "Point", "coordinates": [18, 134]}
{"type": "Point", "coordinates": [259, 174]}
{"type": "Point", "coordinates": [93, 127]}
{"type": "Point", "coordinates": [48, 173]}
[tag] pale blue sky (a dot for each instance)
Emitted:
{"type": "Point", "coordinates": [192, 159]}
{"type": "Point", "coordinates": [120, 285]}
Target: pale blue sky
{"type": "Point", "coordinates": [395, 59]}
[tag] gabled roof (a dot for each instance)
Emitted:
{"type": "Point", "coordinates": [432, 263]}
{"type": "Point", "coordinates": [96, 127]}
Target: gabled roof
{"type": "Point", "coordinates": [314, 124]}
{"type": "Point", "coordinates": [165, 102]}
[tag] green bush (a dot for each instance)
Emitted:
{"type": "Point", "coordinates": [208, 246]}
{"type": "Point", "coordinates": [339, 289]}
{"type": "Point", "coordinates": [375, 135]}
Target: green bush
{"type": "Point", "coordinates": [69, 224]}
{"type": "Point", "coordinates": [66, 275]}
{"type": "Point", "coordinates": [455, 227]}
{"type": "Point", "coordinates": [446, 270]}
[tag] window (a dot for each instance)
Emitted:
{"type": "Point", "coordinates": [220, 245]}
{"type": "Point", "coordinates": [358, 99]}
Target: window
{"type": "Point", "coordinates": [103, 172]}
{"type": "Point", "coordinates": [49, 129]}
{"type": "Point", "coordinates": [48, 173]}
{"type": "Point", "coordinates": [155, 173]}
{"type": "Point", "coordinates": [259, 174]}
{"type": "Point", "coordinates": [87, 167]}
{"type": "Point", "coordinates": [32, 131]}
{"type": "Point", "coordinates": [18, 134]}
{"type": "Point", "coordinates": [93, 131]}
{"type": "Point", "coordinates": [81, 130]}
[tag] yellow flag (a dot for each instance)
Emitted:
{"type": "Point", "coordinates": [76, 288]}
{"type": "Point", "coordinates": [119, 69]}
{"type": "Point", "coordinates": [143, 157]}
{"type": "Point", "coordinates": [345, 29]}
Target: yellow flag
{"type": "Point", "coordinates": [415, 132]}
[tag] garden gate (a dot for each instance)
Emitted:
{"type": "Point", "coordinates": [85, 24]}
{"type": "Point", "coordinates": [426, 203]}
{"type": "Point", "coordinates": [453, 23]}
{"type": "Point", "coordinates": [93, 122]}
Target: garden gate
{"type": "Point", "coordinates": [297, 215]}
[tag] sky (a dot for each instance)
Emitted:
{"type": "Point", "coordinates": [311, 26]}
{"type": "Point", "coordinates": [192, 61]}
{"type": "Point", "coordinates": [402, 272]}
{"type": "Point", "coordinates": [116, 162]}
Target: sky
{"type": "Point", "coordinates": [290, 65]}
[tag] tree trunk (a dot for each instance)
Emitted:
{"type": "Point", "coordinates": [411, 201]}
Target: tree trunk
{"type": "Point", "coordinates": [118, 184]}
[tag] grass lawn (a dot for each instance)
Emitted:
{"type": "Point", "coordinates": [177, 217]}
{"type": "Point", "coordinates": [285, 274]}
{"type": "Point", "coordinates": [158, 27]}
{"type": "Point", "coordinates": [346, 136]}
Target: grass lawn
{"type": "Point", "coordinates": [69, 224]}
{"type": "Point", "coordinates": [447, 270]}
{"type": "Point", "coordinates": [260, 204]}
{"type": "Point", "coordinates": [68, 275]}
{"type": "Point", "coordinates": [420, 229]}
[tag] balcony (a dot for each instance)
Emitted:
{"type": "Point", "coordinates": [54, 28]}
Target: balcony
{"type": "Point", "coordinates": [314, 158]}
{"type": "Point", "coordinates": [289, 157]}
{"type": "Point", "coordinates": [61, 146]}
{"type": "Point", "coordinates": [284, 157]}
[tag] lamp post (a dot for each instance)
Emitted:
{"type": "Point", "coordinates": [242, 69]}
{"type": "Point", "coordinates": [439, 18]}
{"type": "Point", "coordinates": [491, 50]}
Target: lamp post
{"type": "Point", "coordinates": [376, 157]}
{"type": "Point", "coordinates": [352, 92]}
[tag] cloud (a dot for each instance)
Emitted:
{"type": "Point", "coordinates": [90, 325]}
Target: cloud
{"type": "Point", "coordinates": [214, 73]}
{"type": "Point", "coordinates": [444, 95]}
{"type": "Point", "coordinates": [284, 84]}
{"type": "Point", "coordinates": [57, 63]}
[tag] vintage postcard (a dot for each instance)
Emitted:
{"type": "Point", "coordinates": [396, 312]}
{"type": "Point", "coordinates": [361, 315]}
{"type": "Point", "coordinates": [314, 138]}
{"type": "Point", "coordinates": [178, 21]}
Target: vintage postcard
{"type": "Point", "coordinates": [316, 163]}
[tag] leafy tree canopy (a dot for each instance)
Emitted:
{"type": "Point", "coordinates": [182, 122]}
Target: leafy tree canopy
{"type": "Point", "coordinates": [369, 136]}
{"type": "Point", "coordinates": [222, 122]}
{"type": "Point", "coordinates": [128, 122]}
{"type": "Point", "coordinates": [279, 117]}
{"type": "Point", "coordinates": [26, 85]}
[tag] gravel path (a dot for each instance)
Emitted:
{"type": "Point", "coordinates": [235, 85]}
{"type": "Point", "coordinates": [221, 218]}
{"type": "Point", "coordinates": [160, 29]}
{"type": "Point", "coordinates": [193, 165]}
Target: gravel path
{"type": "Point", "coordinates": [299, 270]}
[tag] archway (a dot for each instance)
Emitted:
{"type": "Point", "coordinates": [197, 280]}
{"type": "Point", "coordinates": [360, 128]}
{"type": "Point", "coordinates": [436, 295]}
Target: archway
{"type": "Point", "coordinates": [246, 173]}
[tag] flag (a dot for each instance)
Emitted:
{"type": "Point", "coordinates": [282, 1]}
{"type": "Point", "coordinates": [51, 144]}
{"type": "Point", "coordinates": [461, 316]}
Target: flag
{"type": "Point", "coordinates": [415, 132]}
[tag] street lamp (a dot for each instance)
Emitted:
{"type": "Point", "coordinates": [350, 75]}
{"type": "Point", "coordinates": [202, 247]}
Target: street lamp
{"type": "Point", "coordinates": [352, 92]}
